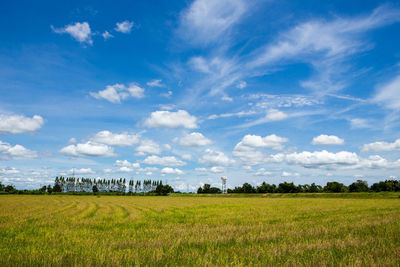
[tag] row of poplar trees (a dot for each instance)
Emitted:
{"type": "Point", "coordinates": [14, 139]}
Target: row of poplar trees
{"type": "Point", "coordinates": [72, 184]}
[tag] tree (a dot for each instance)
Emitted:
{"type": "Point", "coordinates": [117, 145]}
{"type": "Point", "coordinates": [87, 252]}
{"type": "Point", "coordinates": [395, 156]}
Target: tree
{"type": "Point", "coordinates": [163, 190]}
{"type": "Point", "coordinates": [57, 188]}
{"type": "Point", "coordinates": [207, 189]}
{"type": "Point", "coordinates": [359, 186]}
{"type": "Point", "coordinates": [286, 187]}
{"type": "Point", "coordinates": [43, 189]}
{"type": "Point", "coordinates": [266, 188]}
{"type": "Point", "coordinates": [1, 187]}
{"type": "Point", "coordinates": [10, 189]}
{"type": "Point", "coordinates": [335, 187]}
{"type": "Point", "coordinates": [95, 189]}
{"type": "Point", "coordinates": [49, 189]}
{"type": "Point", "coordinates": [248, 188]}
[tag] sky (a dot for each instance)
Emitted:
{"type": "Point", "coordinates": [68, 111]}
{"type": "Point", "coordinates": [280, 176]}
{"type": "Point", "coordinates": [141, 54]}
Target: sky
{"type": "Point", "coordinates": [189, 91]}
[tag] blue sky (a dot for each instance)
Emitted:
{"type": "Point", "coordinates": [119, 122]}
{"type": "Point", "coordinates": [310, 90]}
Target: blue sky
{"type": "Point", "coordinates": [189, 91]}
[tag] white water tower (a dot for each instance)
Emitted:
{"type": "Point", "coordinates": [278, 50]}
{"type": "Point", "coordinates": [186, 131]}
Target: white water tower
{"type": "Point", "coordinates": [223, 179]}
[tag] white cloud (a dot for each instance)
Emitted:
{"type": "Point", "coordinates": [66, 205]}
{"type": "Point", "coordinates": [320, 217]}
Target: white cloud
{"type": "Point", "coordinates": [381, 146]}
{"type": "Point", "coordinates": [276, 115]}
{"type": "Point", "coordinates": [228, 115]}
{"type": "Point", "coordinates": [242, 85]}
{"type": "Point", "coordinates": [8, 171]}
{"type": "Point", "coordinates": [324, 139]}
{"type": "Point", "coordinates": [106, 35]}
{"type": "Point", "coordinates": [262, 172]}
{"type": "Point", "coordinates": [16, 152]}
{"type": "Point", "coordinates": [124, 27]}
{"type": "Point", "coordinates": [358, 123]}
{"type": "Point", "coordinates": [15, 124]}
{"type": "Point", "coordinates": [170, 119]}
{"type": "Point", "coordinates": [148, 147]}
{"type": "Point", "coordinates": [81, 171]}
{"type": "Point", "coordinates": [265, 101]}
{"type": "Point", "coordinates": [389, 94]}
{"type": "Point", "coordinates": [205, 21]}
{"type": "Point", "coordinates": [227, 98]}
{"type": "Point", "coordinates": [79, 31]}
{"type": "Point", "coordinates": [89, 149]}
{"type": "Point", "coordinates": [164, 161]}
{"type": "Point", "coordinates": [118, 92]}
{"type": "Point", "coordinates": [72, 140]}
{"type": "Point", "coordinates": [217, 169]}
{"type": "Point", "coordinates": [125, 163]}
{"type": "Point", "coordinates": [187, 156]}
{"type": "Point", "coordinates": [271, 141]}
{"type": "Point", "coordinates": [289, 174]}
{"type": "Point", "coordinates": [325, 45]}
{"type": "Point", "coordinates": [168, 170]}
{"type": "Point", "coordinates": [247, 151]}
{"type": "Point", "coordinates": [215, 158]}
{"type": "Point", "coordinates": [112, 139]}
{"type": "Point", "coordinates": [323, 159]}
{"type": "Point", "coordinates": [194, 139]}
{"type": "Point", "coordinates": [155, 83]}
{"type": "Point", "coordinates": [200, 169]}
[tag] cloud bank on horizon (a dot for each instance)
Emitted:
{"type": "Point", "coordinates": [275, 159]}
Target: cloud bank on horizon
{"type": "Point", "coordinates": [190, 91]}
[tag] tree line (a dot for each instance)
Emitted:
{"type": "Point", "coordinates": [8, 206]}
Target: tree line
{"type": "Point", "coordinates": [96, 186]}
{"type": "Point", "coordinates": [286, 187]}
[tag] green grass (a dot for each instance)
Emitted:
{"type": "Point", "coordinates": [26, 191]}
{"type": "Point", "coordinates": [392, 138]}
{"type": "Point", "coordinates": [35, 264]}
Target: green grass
{"type": "Point", "coordinates": [197, 231]}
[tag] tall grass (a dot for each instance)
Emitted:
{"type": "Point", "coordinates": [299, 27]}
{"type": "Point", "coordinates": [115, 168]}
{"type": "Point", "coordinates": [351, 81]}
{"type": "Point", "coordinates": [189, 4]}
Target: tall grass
{"type": "Point", "coordinates": [198, 231]}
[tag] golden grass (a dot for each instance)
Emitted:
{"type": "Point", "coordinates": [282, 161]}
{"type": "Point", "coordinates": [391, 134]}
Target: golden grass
{"type": "Point", "coordinates": [198, 231]}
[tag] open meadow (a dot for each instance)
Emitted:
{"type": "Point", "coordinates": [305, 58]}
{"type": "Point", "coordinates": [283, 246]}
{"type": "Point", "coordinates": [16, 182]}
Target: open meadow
{"type": "Point", "coordinates": [196, 231]}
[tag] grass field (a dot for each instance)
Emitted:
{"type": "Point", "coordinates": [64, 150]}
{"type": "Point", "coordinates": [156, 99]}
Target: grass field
{"type": "Point", "coordinates": [198, 231]}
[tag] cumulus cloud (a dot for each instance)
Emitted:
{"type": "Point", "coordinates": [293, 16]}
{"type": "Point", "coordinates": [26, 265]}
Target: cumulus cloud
{"type": "Point", "coordinates": [16, 124]}
{"type": "Point", "coordinates": [170, 119]}
{"type": "Point", "coordinates": [247, 151]}
{"type": "Point", "coordinates": [8, 151]}
{"type": "Point", "coordinates": [168, 170]}
{"type": "Point", "coordinates": [89, 148]}
{"type": "Point", "coordinates": [323, 159]}
{"type": "Point", "coordinates": [270, 141]}
{"type": "Point", "coordinates": [125, 163]}
{"type": "Point", "coordinates": [194, 139]}
{"type": "Point", "coordinates": [106, 35]}
{"type": "Point", "coordinates": [217, 169]}
{"type": "Point", "coordinates": [324, 139]}
{"type": "Point", "coordinates": [276, 115]}
{"type": "Point", "coordinates": [118, 92]}
{"type": "Point", "coordinates": [113, 139]}
{"type": "Point", "coordinates": [215, 158]}
{"type": "Point", "coordinates": [381, 146]}
{"type": "Point", "coordinates": [205, 21]}
{"type": "Point", "coordinates": [79, 31]}
{"type": "Point", "coordinates": [164, 161]}
{"type": "Point", "coordinates": [124, 27]}
{"type": "Point", "coordinates": [81, 171]}
{"type": "Point", "coordinates": [147, 147]}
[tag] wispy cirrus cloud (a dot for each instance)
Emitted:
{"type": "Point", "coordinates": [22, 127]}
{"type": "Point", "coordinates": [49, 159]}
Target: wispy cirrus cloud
{"type": "Point", "coordinates": [205, 21]}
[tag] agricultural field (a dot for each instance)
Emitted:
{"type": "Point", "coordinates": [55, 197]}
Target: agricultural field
{"type": "Point", "coordinates": [196, 231]}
